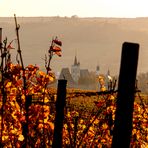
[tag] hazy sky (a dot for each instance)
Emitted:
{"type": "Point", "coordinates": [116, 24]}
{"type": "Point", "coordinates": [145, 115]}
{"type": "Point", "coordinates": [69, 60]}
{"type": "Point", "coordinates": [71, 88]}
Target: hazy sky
{"type": "Point", "coordinates": [82, 8]}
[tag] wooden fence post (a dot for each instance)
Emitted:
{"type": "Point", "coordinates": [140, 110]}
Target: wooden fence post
{"type": "Point", "coordinates": [59, 117]}
{"type": "Point", "coordinates": [25, 125]}
{"type": "Point", "coordinates": [0, 35]}
{"type": "Point", "coordinates": [2, 90]}
{"type": "Point", "coordinates": [125, 99]}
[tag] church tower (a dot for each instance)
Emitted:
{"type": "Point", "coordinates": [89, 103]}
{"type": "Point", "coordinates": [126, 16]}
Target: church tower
{"type": "Point", "coordinates": [97, 70]}
{"type": "Point", "coordinates": [75, 70]}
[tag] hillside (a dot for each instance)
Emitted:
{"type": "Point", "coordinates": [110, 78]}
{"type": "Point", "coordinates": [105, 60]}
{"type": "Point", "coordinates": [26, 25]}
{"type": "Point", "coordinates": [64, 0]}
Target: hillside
{"type": "Point", "coordinates": [94, 40]}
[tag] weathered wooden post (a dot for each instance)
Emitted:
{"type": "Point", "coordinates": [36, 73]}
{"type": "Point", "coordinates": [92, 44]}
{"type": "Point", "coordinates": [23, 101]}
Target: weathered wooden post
{"type": "Point", "coordinates": [125, 99]}
{"type": "Point", "coordinates": [1, 41]}
{"type": "Point", "coordinates": [59, 117]}
{"type": "Point", "coordinates": [2, 89]}
{"type": "Point", "coordinates": [25, 125]}
{"type": "Point", "coordinates": [1, 35]}
{"type": "Point", "coordinates": [1, 47]}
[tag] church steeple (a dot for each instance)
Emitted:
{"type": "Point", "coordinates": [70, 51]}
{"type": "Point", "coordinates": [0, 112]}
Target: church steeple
{"type": "Point", "coordinates": [76, 63]}
{"type": "Point", "coordinates": [75, 70]}
{"type": "Point", "coordinates": [97, 68]}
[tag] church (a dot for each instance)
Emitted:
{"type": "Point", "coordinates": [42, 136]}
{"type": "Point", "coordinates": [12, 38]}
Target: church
{"type": "Point", "coordinates": [77, 77]}
{"type": "Point", "coordinates": [82, 78]}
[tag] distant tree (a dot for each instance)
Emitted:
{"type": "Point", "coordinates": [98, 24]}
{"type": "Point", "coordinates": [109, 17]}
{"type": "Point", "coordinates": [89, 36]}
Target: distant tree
{"type": "Point", "coordinates": [74, 16]}
{"type": "Point", "coordinates": [143, 82]}
{"type": "Point", "coordinates": [91, 79]}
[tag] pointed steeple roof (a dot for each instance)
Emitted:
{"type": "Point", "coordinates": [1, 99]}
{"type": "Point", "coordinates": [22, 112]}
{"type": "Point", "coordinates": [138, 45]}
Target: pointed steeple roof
{"type": "Point", "coordinates": [76, 62]}
{"type": "Point", "coordinates": [97, 68]}
{"type": "Point", "coordinates": [108, 72]}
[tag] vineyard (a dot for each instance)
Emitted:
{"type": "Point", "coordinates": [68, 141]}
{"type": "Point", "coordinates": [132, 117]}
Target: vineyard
{"type": "Point", "coordinates": [88, 121]}
{"type": "Point", "coordinates": [29, 107]}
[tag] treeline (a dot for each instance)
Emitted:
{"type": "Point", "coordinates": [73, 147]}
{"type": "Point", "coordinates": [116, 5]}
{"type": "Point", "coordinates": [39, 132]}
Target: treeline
{"type": "Point", "coordinates": [143, 82]}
